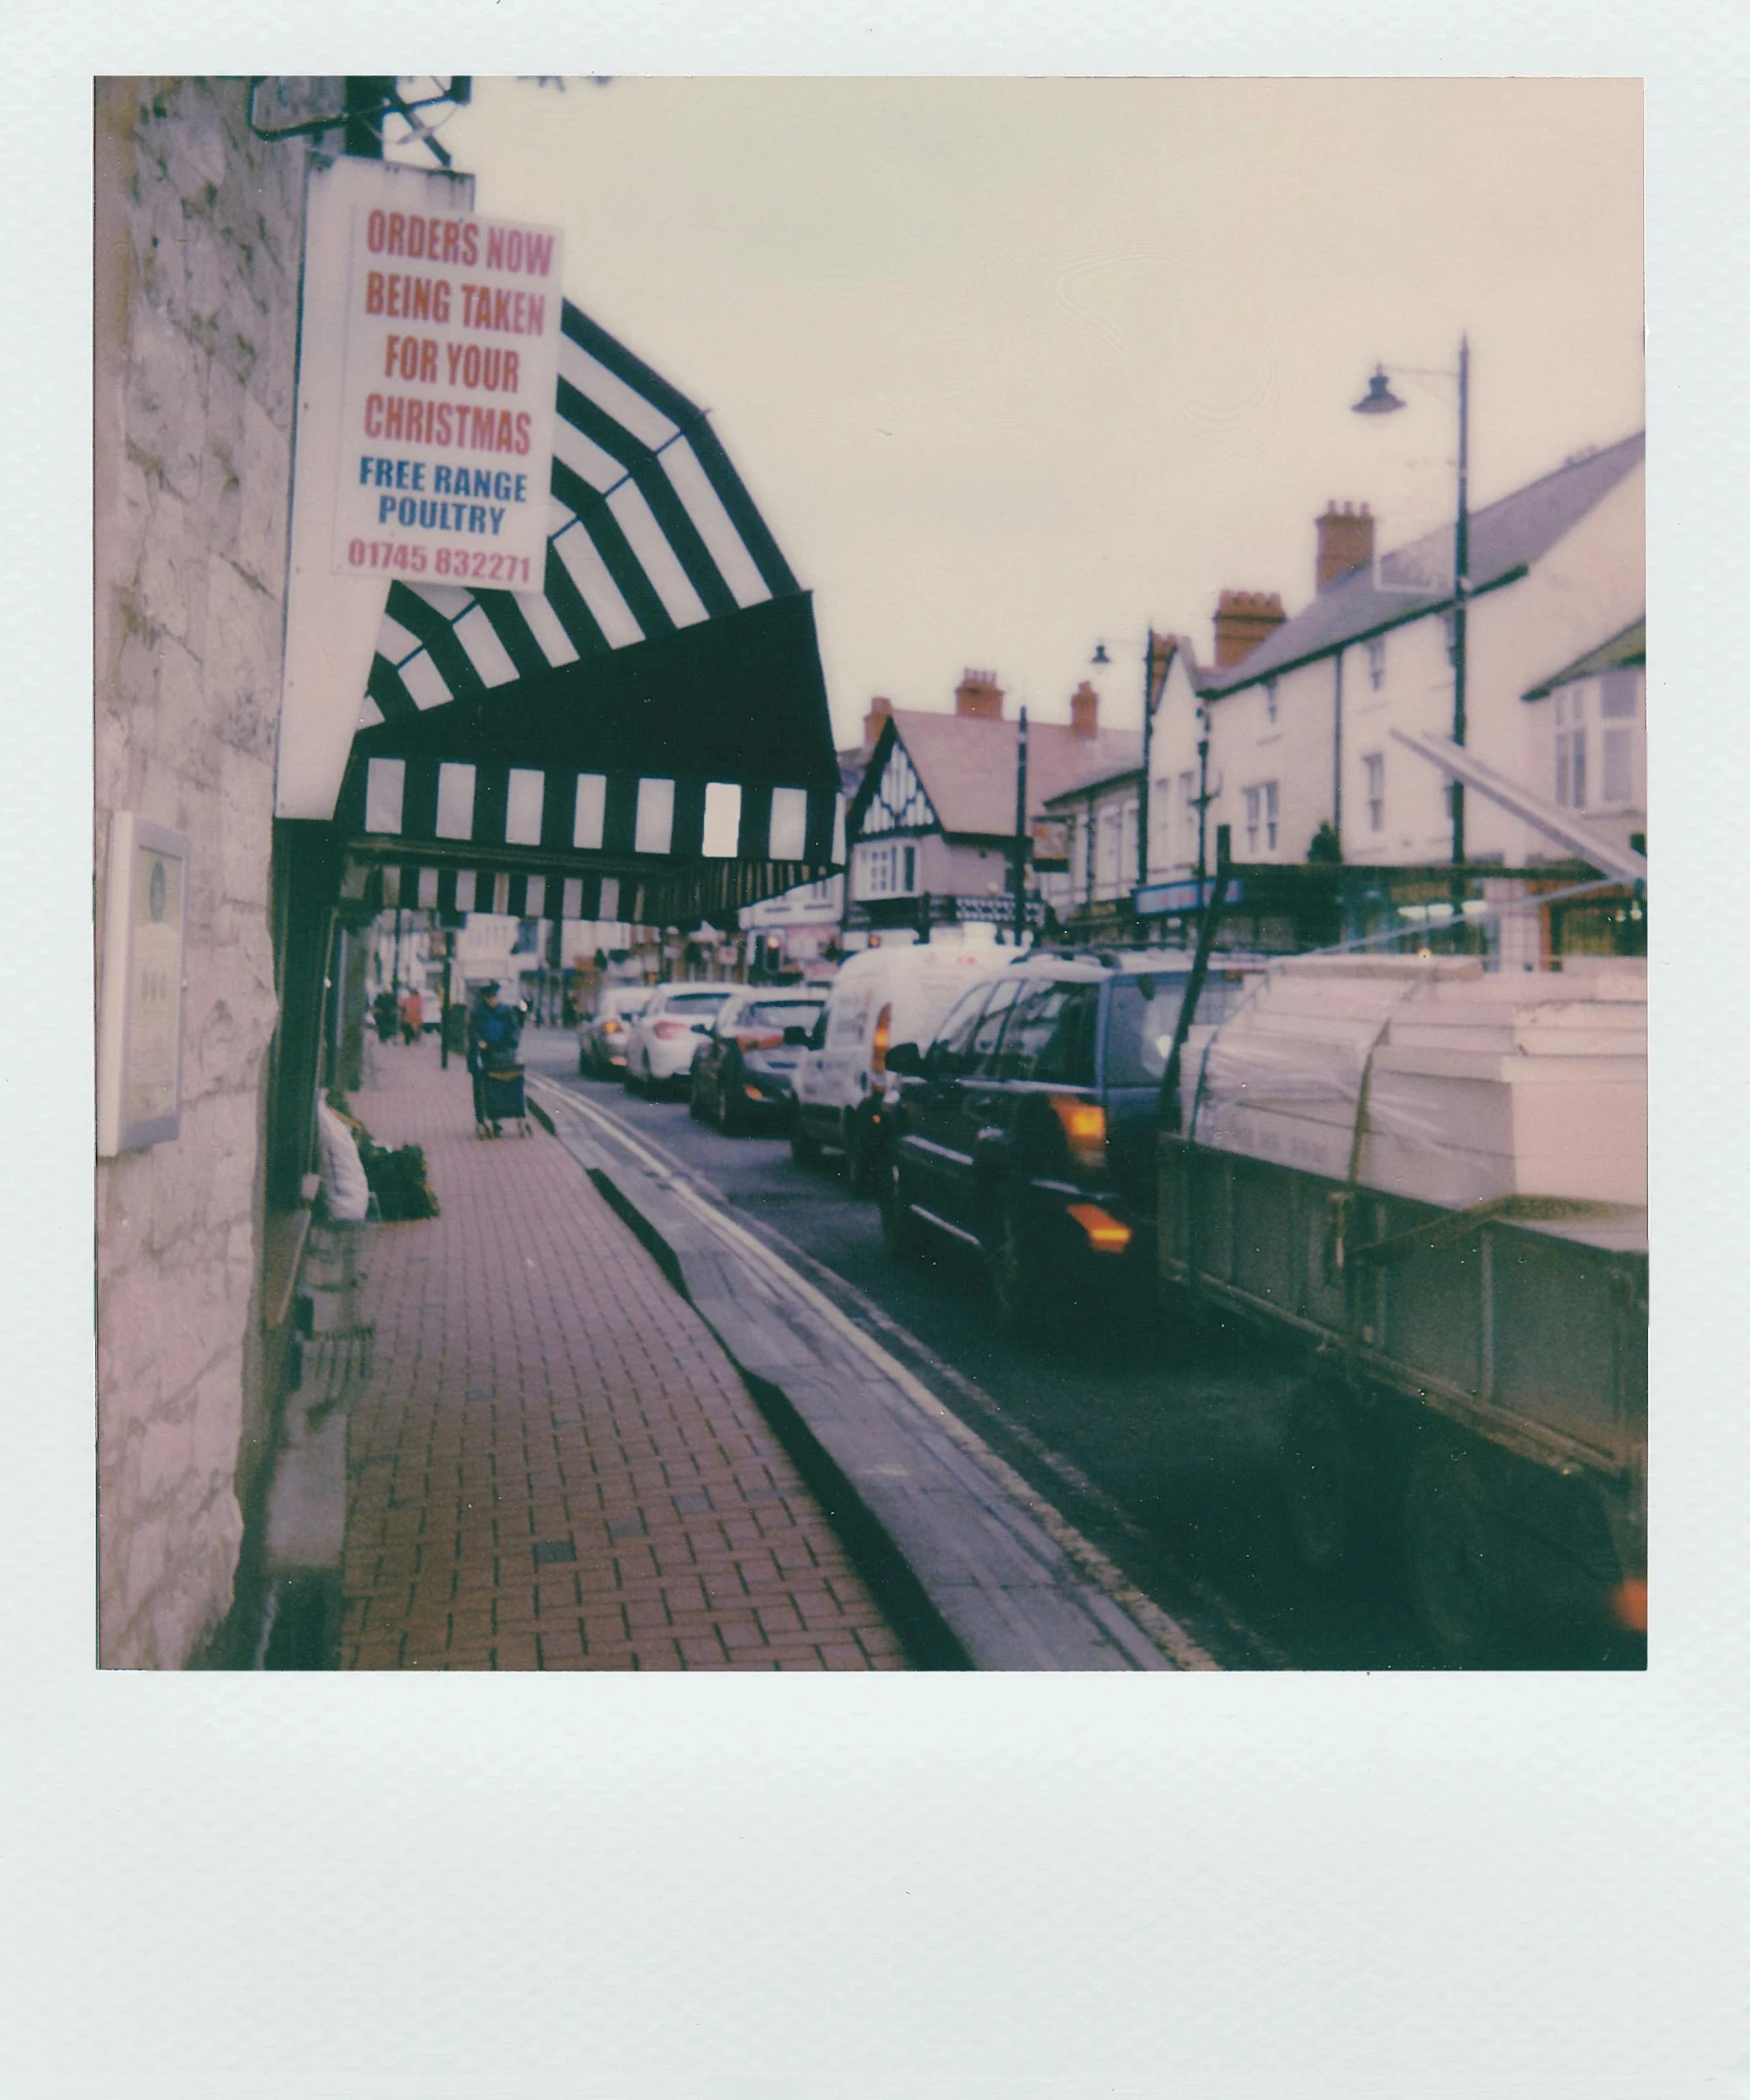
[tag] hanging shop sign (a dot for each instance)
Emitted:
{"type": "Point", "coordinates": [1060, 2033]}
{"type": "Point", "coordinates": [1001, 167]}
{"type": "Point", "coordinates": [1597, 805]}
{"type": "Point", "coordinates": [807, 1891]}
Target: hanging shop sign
{"type": "Point", "coordinates": [139, 1063]}
{"type": "Point", "coordinates": [447, 412]}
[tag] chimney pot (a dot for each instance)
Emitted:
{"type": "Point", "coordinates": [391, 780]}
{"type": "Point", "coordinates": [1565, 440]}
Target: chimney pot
{"type": "Point", "coordinates": [1345, 542]}
{"type": "Point", "coordinates": [1244, 618]}
{"type": "Point", "coordinates": [1085, 711]}
{"type": "Point", "coordinates": [880, 707]}
{"type": "Point", "coordinates": [977, 695]}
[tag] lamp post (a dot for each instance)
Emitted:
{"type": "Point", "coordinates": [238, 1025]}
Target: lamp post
{"type": "Point", "coordinates": [1156, 662]}
{"type": "Point", "coordinates": [1381, 400]}
{"type": "Point", "coordinates": [1017, 873]}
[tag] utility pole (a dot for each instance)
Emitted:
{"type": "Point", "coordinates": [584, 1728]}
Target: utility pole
{"type": "Point", "coordinates": [1461, 589]}
{"type": "Point", "coordinates": [1017, 873]}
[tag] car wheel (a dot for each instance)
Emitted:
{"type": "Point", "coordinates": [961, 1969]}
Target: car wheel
{"type": "Point", "coordinates": [695, 1100]}
{"type": "Point", "coordinates": [805, 1146]}
{"type": "Point", "coordinates": [901, 1234]}
{"type": "Point", "coordinates": [728, 1116]}
{"type": "Point", "coordinates": [1025, 1299]}
{"type": "Point", "coordinates": [863, 1157]}
{"type": "Point", "coordinates": [583, 1066]}
{"type": "Point", "coordinates": [1445, 1553]}
{"type": "Point", "coordinates": [1317, 1480]}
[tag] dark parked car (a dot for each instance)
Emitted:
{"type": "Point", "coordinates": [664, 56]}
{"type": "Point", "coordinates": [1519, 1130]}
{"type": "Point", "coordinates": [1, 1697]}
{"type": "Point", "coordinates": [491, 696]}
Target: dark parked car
{"type": "Point", "coordinates": [745, 1069]}
{"type": "Point", "coordinates": [602, 1039]}
{"type": "Point", "coordinates": [1027, 1128]}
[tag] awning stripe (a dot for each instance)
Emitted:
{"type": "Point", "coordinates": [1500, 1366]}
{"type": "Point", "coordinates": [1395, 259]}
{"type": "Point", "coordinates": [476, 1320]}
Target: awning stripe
{"type": "Point", "coordinates": [583, 558]}
{"type": "Point", "coordinates": [599, 524]}
{"type": "Point", "coordinates": [650, 817]}
{"type": "Point", "coordinates": [566, 601]}
{"type": "Point", "coordinates": [517, 637]}
{"type": "Point", "coordinates": [779, 579]}
{"type": "Point", "coordinates": [386, 688]}
{"type": "Point", "coordinates": [434, 630]}
{"type": "Point", "coordinates": [642, 464]}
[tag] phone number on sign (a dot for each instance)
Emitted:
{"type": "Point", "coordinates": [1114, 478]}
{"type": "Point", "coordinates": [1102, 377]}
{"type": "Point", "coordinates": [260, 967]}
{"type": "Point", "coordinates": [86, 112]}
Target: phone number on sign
{"type": "Point", "coordinates": [475, 566]}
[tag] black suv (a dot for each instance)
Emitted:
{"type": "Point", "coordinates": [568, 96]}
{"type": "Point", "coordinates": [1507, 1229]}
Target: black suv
{"type": "Point", "coordinates": [1027, 1127]}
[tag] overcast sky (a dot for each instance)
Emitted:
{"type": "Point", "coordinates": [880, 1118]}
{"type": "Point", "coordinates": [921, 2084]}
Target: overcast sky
{"type": "Point", "coordinates": [1013, 367]}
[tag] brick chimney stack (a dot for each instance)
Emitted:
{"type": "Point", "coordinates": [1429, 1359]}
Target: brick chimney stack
{"type": "Point", "coordinates": [1244, 618]}
{"type": "Point", "coordinates": [880, 707]}
{"type": "Point", "coordinates": [1345, 542]}
{"type": "Point", "coordinates": [1085, 711]}
{"type": "Point", "coordinates": [979, 695]}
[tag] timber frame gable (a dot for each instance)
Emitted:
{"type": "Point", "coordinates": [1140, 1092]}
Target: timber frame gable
{"type": "Point", "coordinates": [891, 798]}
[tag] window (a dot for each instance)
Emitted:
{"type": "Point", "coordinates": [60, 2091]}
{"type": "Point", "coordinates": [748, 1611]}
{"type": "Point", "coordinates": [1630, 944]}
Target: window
{"type": "Point", "coordinates": [1260, 819]}
{"type": "Point", "coordinates": [1051, 1036]}
{"type": "Point", "coordinates": [1270, 700]}
{"type": "Point", "coordinates": [1373, 765]}
{"type": "Point", "coordinates": [982, 1048]}
{"type": "Point", "coordinates": [1618, 707]}
{"type": "Point", "coordinates": [1106, 850]}
{"type": "Point", "coordinates": [1187, 802]}
{"type": "Point", "coordinates": [887, 870]}
{"type": "Point", "coordinates": [955, 1034]}
{"type": "Point", "coordinates": [1570, 749]}
{"type": "Point", "coordinates": [1376, 661]}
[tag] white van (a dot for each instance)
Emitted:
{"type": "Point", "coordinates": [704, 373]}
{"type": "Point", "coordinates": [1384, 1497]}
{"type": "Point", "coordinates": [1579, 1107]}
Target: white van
{"type": "Point", "coordinates": [880, 997]}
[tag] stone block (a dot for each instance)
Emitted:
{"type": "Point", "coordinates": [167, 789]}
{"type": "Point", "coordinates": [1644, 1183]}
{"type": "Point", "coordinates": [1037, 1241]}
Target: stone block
{"type": "Point", "coordinates": [239, 652]}
{"type": "Point", "coordinates": [264, 468]}
{"type": "Point", "coordinates": [246, 838]}
{"type": "Point", "coordinates": [165, 397]}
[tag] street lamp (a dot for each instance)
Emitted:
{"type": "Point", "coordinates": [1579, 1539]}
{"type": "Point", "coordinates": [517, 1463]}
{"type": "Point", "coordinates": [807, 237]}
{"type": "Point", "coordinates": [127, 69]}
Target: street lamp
{"type": "Point", "coordinates": [1381, 400]}
{"type": "Point", "coordinates": [1156, 661]}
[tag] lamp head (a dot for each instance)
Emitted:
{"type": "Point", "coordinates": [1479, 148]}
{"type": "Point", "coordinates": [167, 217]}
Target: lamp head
{"type": "Point", "coordinates": [1100, 655]}
{"type": "Point", "coordinates": [1378, 398]}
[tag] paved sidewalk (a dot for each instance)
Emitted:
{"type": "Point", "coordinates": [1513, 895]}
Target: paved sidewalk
{"type": "Point", "coordinates": [554, 1464]}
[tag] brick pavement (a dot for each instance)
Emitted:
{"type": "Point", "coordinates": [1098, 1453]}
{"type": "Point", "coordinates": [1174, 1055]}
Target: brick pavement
{"type": "Point", "coordinates": [554, 1466]}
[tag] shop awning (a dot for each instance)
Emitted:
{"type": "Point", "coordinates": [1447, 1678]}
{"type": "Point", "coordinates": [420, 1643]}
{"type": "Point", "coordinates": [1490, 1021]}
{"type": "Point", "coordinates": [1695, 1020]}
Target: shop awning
{"type": "Point", "coordinates": [647, 739]}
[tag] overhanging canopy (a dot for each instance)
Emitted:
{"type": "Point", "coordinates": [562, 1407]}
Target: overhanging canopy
{"type": "Point", "coordinates": [647, 739]}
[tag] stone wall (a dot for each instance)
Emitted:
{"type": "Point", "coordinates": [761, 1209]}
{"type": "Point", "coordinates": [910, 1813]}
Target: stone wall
{"type": "Point", "coordinates": [198, 253]}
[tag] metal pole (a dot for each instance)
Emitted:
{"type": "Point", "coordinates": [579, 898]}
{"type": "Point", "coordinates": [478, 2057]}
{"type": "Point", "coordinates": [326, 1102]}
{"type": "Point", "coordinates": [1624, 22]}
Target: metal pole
{"type": "Point", "coordinates": [1461, 589]}
{"type": "Point", "coordinates": [1202, 799]}
{"type": "Point", "coordinates": [1336, 753]}
{"type": "Point", "coordinates": [1148, 746]}
{"type": "Point", "coordinates": [1018, 875]}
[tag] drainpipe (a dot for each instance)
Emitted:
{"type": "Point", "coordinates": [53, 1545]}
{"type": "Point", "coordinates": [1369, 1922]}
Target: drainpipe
{"type": "Point", "coordinates": [1337, 751]}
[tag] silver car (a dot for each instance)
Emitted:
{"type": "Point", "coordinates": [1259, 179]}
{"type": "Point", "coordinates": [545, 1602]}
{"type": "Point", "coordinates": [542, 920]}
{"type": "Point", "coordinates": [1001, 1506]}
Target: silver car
{"type": "Point", "coordinates": [602, 1039]}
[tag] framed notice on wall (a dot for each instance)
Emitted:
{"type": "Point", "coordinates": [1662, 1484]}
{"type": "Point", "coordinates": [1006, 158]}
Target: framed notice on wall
{"type": "Point", "coordinates": [139, 1050]}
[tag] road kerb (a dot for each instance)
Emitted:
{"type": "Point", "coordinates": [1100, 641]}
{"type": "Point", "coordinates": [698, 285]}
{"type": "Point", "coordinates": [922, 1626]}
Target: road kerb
{"type": "Point", "coordinates": [1039, 1595]}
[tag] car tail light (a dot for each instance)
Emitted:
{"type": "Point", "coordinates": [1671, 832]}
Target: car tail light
{"type": "Point", "coordinates": [1106, 1234]}
{"type": "Point", "coordinates": [1628, 1602]}
{"type": "Point", "coordinates": [1084, 1127]}
{"type": "Point", "coordinates": [753, 1039]}
{"type": "Point", "coordinates": [613, 1028]}
{"type": "Point", "coordinates": [878, 1048]}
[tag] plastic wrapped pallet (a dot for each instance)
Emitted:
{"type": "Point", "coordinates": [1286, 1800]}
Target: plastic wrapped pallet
{"type": "Point", "coordinates": [1436, 1081]}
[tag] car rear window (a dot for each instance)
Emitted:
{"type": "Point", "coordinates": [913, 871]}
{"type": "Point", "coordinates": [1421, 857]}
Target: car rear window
{"type": "Point", "coordinates": [696, 1002]}
{"type": "Point", "coordinates": [1145, 1012]}
{"type": "Point", "coordinates": [784, 1013]}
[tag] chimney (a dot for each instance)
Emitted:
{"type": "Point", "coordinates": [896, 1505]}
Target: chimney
{"type": "Point", "coordinates": [979, 695]}
{"type": "Point", "coordinates": [1243, 619]}
{"type": "Point", "coordinates": [880, 707]}
{"type": "Point", "coordinates": [1345, 542]}
{"type": "Point", "coordinates": [1085, 711]}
